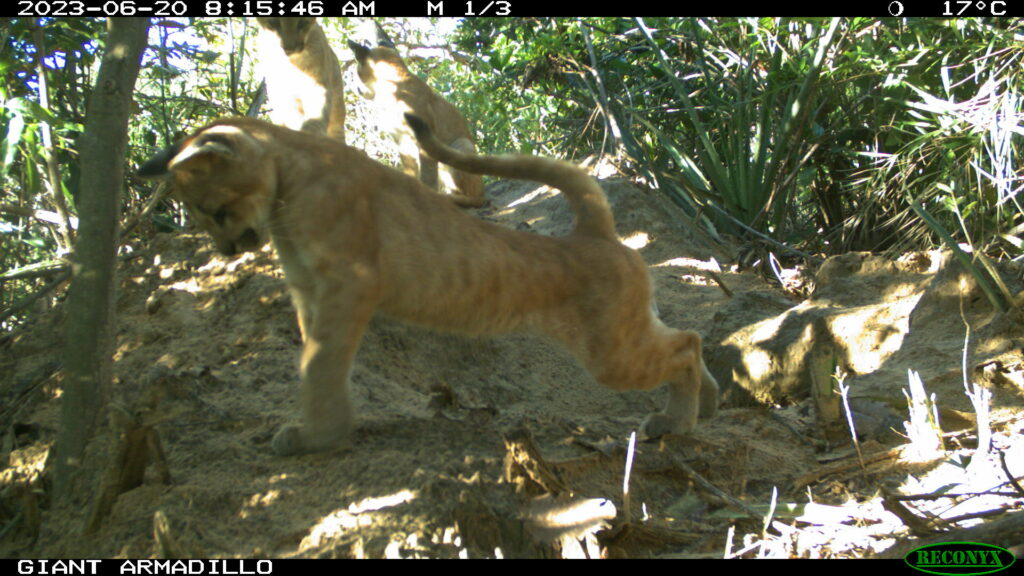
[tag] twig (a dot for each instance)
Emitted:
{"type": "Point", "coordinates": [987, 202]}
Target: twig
{"type": "Point", "coordinates": [918, 526]}
{"type": "Point", "coordinates": [845, 466]}
{"type": "Point", "coordinates": [66, 237]}
{"type": "Point", "coordinates": [630, 452]}
{"type": "Point", "coordinates": [63, 271]}
{"type": "Point", "coordinates": [982, 514]}
{"type": "Point", "coordinates": [63, 274]}
{"type": "Point", "coordinates": [167, 544]}
{"type": "Point", "coordinates": [978, 396]}
{"type": "Point", "coordinates": [764, 237]}
{"type": "Point", "coordinates": [729, 535]}
{"type": "Point", "coordinates": [729, 500]}
{"type": "Point", "coordinates": [768, 519]}
{"type": "Point", "coordinates": [36, 270]}
{"type": "Point", "coordinates": [844, 393]}
{"type": "Point", "coordinates": [27, 301]}
{"type": "Point", "coordinates": [713, 274]}
{"type": "Point", "coordinates": [613, 126]}
{"type": "Point", "coordinates": [1006, 470]}
{"type": "Point", "coordinates": [951, 496]}
{"type": "Point", "coordinates": [158, 196]}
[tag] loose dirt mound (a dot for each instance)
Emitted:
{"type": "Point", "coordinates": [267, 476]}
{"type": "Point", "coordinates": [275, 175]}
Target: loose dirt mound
{"type": "Point", "coordinates": [480, 447]}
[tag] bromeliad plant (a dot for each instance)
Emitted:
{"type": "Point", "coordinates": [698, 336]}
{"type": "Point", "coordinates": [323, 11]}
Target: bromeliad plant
{"type": "Point", "coordinates": [750, 132]}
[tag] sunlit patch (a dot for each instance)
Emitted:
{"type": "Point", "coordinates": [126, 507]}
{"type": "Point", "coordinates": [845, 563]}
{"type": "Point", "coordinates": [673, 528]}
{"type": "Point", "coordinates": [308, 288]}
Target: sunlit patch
{"type": "Point", "coordinates": [396, 547]}
{"type": "Point", "coordinates": [533, 195]}
{"type": "Point", "coordinates": [259, 501]}
{"type": "Point", "coordinates": [573, 523]}
{"type": "Point", "coordinates": [605, 168]}
{"type": "Point", "coordinates": [372, 504]}
{"type": "Point", "coordinates": [879, 332]}
{"type": "Point", "coordinates": [694, 280]}
{"type": "Point", "coordinates": [869, 334]}
{"type": "Point", "coordinates": [637, 241]}
{"type": "Point", "coordinates": [451, 537]}
{"type": "Point", "coordinates": [25, 465]}
{"type": "Point", "coordinates": [709, 266]}
{"type": "Point", "coordinates": [191, 286]}
{"type": "Point", "coordinates": [331, 527]}
{"type": "Point", "coordinates": [358, 514]}
{"type": "Point", "coordinates": [707, 271]}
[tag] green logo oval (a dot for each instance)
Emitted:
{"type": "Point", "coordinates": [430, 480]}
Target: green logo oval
{"type": "Point", "coordinates": [959, 558]}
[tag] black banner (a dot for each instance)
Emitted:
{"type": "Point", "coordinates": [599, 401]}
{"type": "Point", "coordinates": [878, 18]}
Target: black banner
{"type": "Point", "coordinates": [508, 8]}
{"type": "Point", "coordinates": [232, 567]}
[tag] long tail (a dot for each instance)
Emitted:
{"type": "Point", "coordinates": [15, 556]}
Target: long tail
{"type": "Point", "coordinates": [588, 202]}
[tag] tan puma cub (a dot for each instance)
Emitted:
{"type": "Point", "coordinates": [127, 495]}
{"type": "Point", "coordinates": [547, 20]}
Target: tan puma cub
{"type": "Point", "coordinates": [356, 238]}
{"type": "Point", "coordinates": [396, 91]}
{"type": "Point", "coordinates": [304, 84]}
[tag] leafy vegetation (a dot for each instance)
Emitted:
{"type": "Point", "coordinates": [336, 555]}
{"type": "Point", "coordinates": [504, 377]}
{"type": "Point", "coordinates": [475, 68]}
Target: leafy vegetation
{"type": "Point", "coordinates": [818, 135]}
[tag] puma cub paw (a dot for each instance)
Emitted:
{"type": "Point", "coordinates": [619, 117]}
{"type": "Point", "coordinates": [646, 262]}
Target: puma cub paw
{"type": "Point", "coordinates": [661, 424]}
{"type": "Point", "coordinates": [292, 440]}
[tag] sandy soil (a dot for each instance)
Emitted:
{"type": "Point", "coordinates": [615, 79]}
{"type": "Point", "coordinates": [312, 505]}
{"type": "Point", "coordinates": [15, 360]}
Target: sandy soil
{"type": "Point", "coordinates": [491, 447]}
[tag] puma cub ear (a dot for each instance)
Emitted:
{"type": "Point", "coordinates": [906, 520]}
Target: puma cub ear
{"type": "Point", "coordinates": [418, 125]}
{"type": "Point", "coordinates": [224, 142]}
{"type": "Point", "coordinates": [382, 37]}
{"type": "Point", "coordinates": [359, 50]}
{"type": "Point", "coordinates": [156, 167]}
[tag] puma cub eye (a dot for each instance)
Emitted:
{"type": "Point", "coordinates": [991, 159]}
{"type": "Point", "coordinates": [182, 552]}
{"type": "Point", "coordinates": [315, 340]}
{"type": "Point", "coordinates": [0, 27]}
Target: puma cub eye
{"type": "Point", "coordinates": [220, 216]}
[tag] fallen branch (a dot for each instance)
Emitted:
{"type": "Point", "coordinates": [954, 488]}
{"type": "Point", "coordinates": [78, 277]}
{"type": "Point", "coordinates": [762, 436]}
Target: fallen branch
{"type": "Point", "coordinates": [918, 526]}
{"type": "Point", "coordinates": [843, 467]}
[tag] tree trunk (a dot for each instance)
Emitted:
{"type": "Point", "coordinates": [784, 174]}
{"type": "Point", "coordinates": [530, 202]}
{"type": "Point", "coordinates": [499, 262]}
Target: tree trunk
{"type": "Point", "coordinates": [90, 320]}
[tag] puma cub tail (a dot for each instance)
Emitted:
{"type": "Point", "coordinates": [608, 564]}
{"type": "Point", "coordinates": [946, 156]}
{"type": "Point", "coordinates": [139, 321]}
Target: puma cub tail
{"type": "Point", "coordinates": [588, 202]}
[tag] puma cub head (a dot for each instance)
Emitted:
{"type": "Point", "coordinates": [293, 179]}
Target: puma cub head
{"type": "Point", "coordinates": [222, 177]}
{"type": "Point", "coordinates": [381, 65]}
{"type": "Point", "coordinates": [292, 31]}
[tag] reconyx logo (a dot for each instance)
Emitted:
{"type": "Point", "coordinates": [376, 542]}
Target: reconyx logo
{"type": "Point", "coordinates": [959, 558]}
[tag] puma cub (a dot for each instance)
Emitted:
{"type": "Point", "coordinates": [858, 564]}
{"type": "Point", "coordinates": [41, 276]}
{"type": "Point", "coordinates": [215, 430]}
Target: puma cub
{"type": "Point", "coordinates": [304, 84]}
{"type": "Point", "coordinates": [356, 238]}
{"type": "Point", "coordinates": [395, 91]}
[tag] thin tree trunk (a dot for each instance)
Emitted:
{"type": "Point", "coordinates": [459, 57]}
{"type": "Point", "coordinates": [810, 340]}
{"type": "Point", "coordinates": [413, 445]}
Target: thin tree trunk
{"type": "Point", "coordinates": [64, 234]}
{"type": "Point", "coordinates": [90, 321]}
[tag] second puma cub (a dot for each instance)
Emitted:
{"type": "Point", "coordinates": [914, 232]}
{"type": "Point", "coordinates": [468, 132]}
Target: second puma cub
{"type": "Point", "coordinates": [395, 91]}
